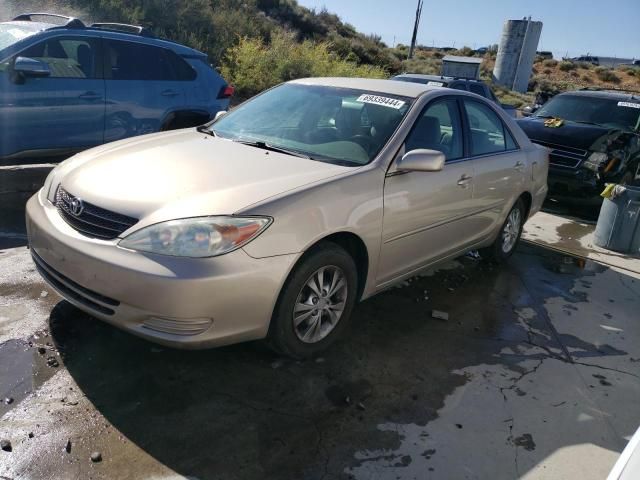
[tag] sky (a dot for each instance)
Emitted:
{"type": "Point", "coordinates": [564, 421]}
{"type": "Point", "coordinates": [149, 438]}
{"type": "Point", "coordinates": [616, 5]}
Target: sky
{"type": "Point", "coordinates": [607, 28]}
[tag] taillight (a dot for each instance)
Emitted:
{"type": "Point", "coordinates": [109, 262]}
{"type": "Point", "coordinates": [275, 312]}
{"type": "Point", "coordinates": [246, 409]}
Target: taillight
{"type": "Point", "coordinates": [226, 92]}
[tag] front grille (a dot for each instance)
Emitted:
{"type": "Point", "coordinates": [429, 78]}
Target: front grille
{"type": "Point", "coordinates": [91, 220]}
{"type": "Point", "coordinates": [563, 156]}
{"type": "Point", "coordinates": [70, 289]}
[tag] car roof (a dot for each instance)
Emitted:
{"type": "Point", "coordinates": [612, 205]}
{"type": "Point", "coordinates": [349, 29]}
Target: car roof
{"type": "Point", "coordinates": [611, 94]}
{"type": "Point", "coordinates": [420, 76]}
{"type": "Point", "coordinates": [41, 27]}
{"type": "Point", "coordinates": [393, 87]}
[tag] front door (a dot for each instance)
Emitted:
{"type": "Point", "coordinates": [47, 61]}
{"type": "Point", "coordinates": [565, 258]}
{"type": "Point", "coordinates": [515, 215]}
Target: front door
{"type": "Point", "coordinates": [426, 214]}
{"type": "Point", "coordinates": [57, 114]}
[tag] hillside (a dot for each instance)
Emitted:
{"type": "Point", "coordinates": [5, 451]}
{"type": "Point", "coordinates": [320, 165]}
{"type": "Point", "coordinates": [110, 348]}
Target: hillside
{"type": "Point", "coordinates": [259, 43]}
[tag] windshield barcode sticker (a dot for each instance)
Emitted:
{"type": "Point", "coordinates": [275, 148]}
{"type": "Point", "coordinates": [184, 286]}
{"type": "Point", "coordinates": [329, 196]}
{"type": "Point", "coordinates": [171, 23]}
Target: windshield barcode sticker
{"type": "Point", "coordinates": [384, 101]}
{"type": "Point", "coordinates": [629, 104]}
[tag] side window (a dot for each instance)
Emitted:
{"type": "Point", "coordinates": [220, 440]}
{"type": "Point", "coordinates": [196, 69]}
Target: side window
{"type": "Point", "coordinates": [137, 61]}
{"type": "Point", "coordinates": [438, 128]}
{"type": "Point", "coordinates": [477, 88]}
{"type": "Point", "coordinates": [184, 71]}
{"type": "Point", "coordinates": [67, 57]}
{"type": "Point", "coordinates": [458, 86]}
{"type": "Point", "coordinates": [488, 132]}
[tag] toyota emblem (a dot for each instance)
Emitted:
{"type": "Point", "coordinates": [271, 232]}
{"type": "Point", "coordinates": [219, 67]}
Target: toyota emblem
{"type": "Point", "coordinates": [76, 206]}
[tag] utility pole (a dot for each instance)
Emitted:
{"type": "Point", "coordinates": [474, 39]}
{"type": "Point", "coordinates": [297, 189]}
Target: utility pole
{"type": "Point", "coordinates": [415, 29]}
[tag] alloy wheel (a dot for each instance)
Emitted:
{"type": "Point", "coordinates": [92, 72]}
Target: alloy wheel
{"type": "Point", "coordinates": [320, 304]}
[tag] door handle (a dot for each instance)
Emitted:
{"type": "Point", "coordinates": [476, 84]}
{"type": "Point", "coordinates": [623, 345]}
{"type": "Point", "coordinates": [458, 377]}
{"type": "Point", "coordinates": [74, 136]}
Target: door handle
{"type": "Point", "coordinates": [169, 93]}
{"type": "Point", "coordinates": [464, 181]}
{"type": "Point", "coordinates": [90, 96]}
{"type": "Point", "coordinates": [519, 166]}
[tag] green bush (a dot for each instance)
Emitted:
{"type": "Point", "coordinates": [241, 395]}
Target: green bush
{"type": "Point", "coordinates": [253, 65]}
{"type": "Point", "coordinates": [566, 66]}
{"type": "Point", "coordinates": [607, 75]}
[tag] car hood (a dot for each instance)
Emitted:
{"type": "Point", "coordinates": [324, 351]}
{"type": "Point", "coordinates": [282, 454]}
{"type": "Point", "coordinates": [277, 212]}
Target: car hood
{"type": "Point", "coordinates": [185, 174]}
{"type": "Point", "coordinates": [571, 134]}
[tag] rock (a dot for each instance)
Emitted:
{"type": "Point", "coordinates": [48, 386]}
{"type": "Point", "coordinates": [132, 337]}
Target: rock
{"type": "Point", "coordinates": [458, 425]}
{"type": "Point", "coordinates": [52, 362]}
{"type": "Point", "coordinates": [43, 294]}
{"type": "Point", "coordinates": [67, 447]}
{"type": "Point", "coordinates": [31, 435]}
{"type": "Point", "coordinates": [42, 350]}
{"type": "Point", "coordinates": [439, 315]}
{"type": "Point", "coordinates": [361, 406]}
{"type": "Point", "coordinates": [347, 400]}
{"type": "Point", "coordinates": [96, 457]}
{"type": "Point", "coordinates": [8, 400]}
{"type": "Point", "coordinates": [6, 445]}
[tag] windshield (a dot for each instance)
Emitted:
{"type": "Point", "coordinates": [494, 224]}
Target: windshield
{"type": "Point", "coordinates": [600, 111]}
{"type": "Point", "coordinates": [11, 33]}
{"type": "Point", "coordinates": [337, 125]}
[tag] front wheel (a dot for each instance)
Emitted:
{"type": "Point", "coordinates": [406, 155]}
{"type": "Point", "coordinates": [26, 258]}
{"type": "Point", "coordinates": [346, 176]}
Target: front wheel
{"type": "Point", "coordinates": [509, 235]}
{"type": "Point", "coordinates": [315, 303]}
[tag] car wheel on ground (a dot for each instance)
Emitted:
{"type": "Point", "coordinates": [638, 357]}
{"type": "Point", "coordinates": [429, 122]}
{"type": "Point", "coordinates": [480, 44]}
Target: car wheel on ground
{"type": "Point", "coordinates": [509, 236]}
{"type": "Point", "coordinates": [315, 303]}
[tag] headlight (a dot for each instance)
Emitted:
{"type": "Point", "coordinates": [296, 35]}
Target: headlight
{"type": "Point", "coordinates": [596, 161]}
{"type": "Point", "coordinates": [196, 237]}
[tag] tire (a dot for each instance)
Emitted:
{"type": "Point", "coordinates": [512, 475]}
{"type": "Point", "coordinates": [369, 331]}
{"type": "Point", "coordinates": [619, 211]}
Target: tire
{"type": "Point", "coordinates": [291, 332]}
{"type": "Point", "coordinates": [509, 236]}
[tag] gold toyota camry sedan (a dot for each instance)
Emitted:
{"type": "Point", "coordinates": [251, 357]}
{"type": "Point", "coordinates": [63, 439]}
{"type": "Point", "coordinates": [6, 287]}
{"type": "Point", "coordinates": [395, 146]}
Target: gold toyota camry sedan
{"type": "Point", "coordinates": [275, 219]}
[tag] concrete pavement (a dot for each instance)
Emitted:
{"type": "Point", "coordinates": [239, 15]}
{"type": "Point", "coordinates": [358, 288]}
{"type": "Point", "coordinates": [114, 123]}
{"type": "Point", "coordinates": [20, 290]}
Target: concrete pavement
{"type": "Point", "coordinates": [535, 375]}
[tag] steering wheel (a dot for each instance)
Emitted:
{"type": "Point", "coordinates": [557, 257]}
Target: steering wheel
{"type": "Point", "coordinates": [362, 140]}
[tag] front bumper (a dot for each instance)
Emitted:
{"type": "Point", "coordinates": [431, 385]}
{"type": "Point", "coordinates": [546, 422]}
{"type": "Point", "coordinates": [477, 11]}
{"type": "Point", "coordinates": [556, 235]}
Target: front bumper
{"type": "Point", "coordinates": [579, 184]}
{"type": "Point", "coordinates": [179, 302]}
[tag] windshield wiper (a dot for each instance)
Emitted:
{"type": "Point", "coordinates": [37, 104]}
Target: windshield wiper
{"type": "Point", "coordinates": [273, 148]}
{"type": "Point", "coordinates": [584, 122]}
{"type": "Point", "coordinates": [205, 129]}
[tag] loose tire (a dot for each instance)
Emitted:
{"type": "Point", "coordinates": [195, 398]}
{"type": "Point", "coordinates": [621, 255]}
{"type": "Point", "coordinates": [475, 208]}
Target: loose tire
{"type": "Point", "coordinates": [315, 303]}
{"type": "Point", "coordinates": [509, 236]}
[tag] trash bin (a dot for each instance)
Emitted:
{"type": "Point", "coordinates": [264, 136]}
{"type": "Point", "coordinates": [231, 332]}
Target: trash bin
{"type": "Point", "coordinates": [618, 225]}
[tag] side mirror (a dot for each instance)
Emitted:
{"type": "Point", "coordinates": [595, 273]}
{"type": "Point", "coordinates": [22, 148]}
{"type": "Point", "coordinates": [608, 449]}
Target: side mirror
{"type": "Point", "coordinates": [422, 160]}
{"type": "Point", "coordinates": [221, 113]}
{"type": "Point", "coordinates": [30, 67]}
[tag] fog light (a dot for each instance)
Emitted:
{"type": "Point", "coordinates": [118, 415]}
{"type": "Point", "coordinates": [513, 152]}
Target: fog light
{"type": "Point", "coordinates": [178, 326]}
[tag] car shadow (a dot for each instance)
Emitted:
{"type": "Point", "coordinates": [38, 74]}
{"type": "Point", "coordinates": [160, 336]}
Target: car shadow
{"type": "Point", "coordinates": [244, 412]}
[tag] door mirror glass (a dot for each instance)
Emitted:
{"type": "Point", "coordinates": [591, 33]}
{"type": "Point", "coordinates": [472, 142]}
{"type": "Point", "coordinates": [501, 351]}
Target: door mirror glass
{"type": "Point", "coordinates": [221, 113]}
{"type": "Point", "coordinates": [30, 67]}
{"type": "Point", "coordinates": [422, 160]}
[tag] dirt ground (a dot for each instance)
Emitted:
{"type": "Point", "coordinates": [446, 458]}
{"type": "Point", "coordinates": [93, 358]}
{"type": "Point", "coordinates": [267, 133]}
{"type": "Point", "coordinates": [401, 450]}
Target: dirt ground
{"type": "Point", "coordinates": [536, 374]}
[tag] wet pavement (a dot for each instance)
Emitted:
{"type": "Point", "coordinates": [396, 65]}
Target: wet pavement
{"type": "Point", "coordinates": [535, 374]}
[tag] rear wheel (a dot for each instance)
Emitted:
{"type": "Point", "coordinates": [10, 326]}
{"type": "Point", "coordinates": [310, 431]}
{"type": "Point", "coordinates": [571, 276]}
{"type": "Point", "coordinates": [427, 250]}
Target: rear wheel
{"type": "Point", "coordinates": [509, 235]}
{"type": "Point", "coordinates": [315, 303]}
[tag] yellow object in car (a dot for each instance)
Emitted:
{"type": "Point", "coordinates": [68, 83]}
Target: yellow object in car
{"type": "Point", "coordinates": [553, 122]}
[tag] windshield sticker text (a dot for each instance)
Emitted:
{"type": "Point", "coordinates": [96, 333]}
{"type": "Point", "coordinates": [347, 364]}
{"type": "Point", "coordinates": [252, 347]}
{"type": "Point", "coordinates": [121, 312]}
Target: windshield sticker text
{"type": "Point", "coordinates": [629, 104]}
{"type": "Point", "coordinates": [384, 101]}
{"type": "Point", "coordinates": [434, 84]}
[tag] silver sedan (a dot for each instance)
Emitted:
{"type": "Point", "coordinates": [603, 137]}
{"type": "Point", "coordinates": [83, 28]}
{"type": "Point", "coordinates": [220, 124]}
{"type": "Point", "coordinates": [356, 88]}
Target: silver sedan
{"type": "Point", "coordinates": [275, 219]}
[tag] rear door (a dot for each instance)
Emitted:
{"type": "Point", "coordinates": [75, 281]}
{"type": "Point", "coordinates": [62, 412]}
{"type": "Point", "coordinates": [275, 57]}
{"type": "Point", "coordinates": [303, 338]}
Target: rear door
{"type": "Point", "coordinates": [142, 88]}
{"type": "Point", "coordinates": [58, 114]}
{"type": "Point", "coordinates": [498, 163]}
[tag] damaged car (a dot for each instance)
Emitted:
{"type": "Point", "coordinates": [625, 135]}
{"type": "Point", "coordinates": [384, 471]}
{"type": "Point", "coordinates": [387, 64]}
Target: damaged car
{"type": "Point", "coordinates": [593, 137]}
{"type": "Point", "coordinates": [276, 218]}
